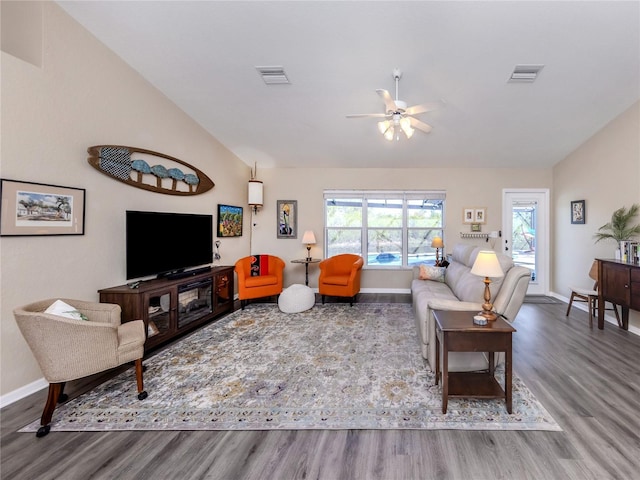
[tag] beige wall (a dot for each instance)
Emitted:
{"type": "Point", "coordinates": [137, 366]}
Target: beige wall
{"type": "Point", "coordinates": [84, 95]}
{"type": "Point", "coordinates": [605, 172]}
{"type": "Point", "coordinates": [464, 188]}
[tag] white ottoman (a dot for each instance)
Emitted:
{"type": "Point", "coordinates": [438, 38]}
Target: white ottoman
{"type": "Point", "coordinates": [296, 298]}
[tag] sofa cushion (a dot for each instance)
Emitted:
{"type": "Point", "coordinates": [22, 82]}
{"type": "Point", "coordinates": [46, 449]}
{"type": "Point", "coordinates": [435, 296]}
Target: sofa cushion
{"type": "Point", "coordinates": [429, 272]}
{"type": "Point", "coordinates": [260, 281]}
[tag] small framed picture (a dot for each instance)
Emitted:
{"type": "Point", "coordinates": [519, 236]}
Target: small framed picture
{"type": "Point", "coordinates": [480, 215]}
{"type": "Point", "coordinates": [40, 209]}
{"type": "Point", "coordinates": [287, 219]}
{"type": "Point", "coordinates": [578, 212]}
{"type": "Point", "coordinates": [468, 216]}
{"type": "Point", "coordinates": [229, 221]}
{"type": "Point", "coordinates": [475, 227]}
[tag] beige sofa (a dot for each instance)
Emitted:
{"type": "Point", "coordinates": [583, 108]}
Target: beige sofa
{"type": "Point", "coordinates": [462, 290]}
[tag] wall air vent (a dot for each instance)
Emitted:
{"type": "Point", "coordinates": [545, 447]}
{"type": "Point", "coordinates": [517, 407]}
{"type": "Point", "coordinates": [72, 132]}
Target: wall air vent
{"type": "Point", "coordinates": [525, 73]}
{"type": "Point", "coordinates": [273, 75]}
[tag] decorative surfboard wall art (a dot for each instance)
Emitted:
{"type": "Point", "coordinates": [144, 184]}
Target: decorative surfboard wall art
{"type": "Point", "coordinates": [149, 170]}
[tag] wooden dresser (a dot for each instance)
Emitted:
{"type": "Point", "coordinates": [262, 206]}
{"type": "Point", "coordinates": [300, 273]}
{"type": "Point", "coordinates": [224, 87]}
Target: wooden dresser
{"type": "Point", "coordinates": [619, 283]}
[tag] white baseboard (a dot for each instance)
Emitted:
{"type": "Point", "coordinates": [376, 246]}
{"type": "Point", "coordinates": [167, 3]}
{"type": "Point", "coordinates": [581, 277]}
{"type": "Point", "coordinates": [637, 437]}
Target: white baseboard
{"type": "Point", "coordinates": [23, 392]}
{"type": "Point", "coordinates": [385, 290]}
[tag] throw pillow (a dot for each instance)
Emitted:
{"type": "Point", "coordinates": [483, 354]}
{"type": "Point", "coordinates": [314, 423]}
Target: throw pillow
{"type": "Point", "coordinates": [63, 309]}
{"type": "Point", "coordinates": [429, 272]}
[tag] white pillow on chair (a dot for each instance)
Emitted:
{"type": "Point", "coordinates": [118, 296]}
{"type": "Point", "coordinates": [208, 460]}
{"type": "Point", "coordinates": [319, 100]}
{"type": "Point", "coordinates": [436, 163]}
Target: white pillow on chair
{"type": "Point", "coordinates": [63, 309]}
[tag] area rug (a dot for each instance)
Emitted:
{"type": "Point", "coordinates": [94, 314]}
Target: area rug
{"type": "Point", "coordinates": [331, 367]}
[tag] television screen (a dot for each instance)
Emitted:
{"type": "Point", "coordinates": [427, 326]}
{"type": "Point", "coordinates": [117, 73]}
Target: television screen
{"type": "Point", "coordinates": [160, 243]}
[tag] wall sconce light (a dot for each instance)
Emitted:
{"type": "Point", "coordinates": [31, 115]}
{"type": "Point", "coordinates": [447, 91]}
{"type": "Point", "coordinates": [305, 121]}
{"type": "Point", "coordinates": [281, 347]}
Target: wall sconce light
{"type": "Point", "coordinates": [309, 239]}
{"type": "Point", "coordinates": [437, 244]}
{"type": "Point", "coordinates": [487, 265]}
{"type": "Point", "coordinates": [255, 191]}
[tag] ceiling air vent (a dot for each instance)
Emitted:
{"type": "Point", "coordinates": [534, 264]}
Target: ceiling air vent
{"type": "Point", "coordinates": [525, 73]}
{"type": "Point", "coordinates": [273, 75]}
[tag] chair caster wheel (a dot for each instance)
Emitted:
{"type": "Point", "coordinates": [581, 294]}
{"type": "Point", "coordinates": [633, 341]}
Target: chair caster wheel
{"type": "Point", "coordinates": [142, 395]}
{"type": "Point", "coordinates": [42, 431]}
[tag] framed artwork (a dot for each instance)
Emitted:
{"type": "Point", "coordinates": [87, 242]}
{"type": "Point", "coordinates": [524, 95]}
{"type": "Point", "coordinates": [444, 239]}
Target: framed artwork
{"type": "Point", "coordinates": [578, 212]}
{"type": "Point", "coordinates": [475, 227]}
{"type": "Point", "coordinates": [468, 216]}
{"type": "Point", "coordinates": [229, 221]}
{"type": "Point", "coordinates": [287, 219]}
{"type": "Point", "coordinates": [480, 215]}
{"type": "Point", "coordinates": [40, 209]}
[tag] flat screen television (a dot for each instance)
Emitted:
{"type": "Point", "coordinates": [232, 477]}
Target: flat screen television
{"type": "Point", "coordinates": [161, 243]}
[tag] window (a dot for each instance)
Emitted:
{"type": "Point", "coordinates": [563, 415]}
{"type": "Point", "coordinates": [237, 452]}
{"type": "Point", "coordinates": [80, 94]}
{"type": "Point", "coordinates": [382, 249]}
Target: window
{"type": "Point", "coordinates": [387, 228]}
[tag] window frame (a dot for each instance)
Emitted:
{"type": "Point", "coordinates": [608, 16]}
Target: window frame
{"type": "Point", "coordinates": [367, 195]}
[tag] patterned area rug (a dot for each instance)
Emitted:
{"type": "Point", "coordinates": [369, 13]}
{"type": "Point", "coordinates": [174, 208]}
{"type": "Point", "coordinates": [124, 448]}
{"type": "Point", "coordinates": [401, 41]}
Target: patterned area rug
{"type": "Point", "coordinates": [331, 367]}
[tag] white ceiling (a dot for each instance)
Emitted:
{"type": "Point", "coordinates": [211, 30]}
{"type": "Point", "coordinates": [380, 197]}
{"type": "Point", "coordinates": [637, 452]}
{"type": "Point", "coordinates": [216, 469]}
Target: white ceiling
{"type": "Point", "coordinates": [203, 55]}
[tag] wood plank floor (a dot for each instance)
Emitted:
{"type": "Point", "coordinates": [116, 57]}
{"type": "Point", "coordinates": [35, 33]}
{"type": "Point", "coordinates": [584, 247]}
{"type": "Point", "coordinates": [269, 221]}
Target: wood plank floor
{"type": "Point", "coordinates": [588, 379]}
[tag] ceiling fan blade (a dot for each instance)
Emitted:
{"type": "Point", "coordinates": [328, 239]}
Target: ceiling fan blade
{"type": "Point", "coordinates": [389, 104]}
{"type": "Point", "coordinates": [370, 115]}
{"type": "Point", "coordinates": [415, 123]}
{"type": "Point", "coordinates": [424, 107]}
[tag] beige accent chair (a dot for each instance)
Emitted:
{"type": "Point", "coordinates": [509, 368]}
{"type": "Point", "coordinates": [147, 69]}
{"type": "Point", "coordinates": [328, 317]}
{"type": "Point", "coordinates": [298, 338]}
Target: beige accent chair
{"type": "Point", "coordinates": [67, 349]}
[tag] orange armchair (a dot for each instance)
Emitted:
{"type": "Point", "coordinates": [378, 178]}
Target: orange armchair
{"type": "Point", "coordinates": [266, 281]}
{"type": "Point", "coordinates": [340, 276]}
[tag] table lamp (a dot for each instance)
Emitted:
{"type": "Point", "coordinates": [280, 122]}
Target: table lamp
{"type": "Point", "coordinates": [308, 239]}
{"type": "Point", "coordinates": [437, 244]}
{"type": "Point", "coordinates": [487, 265]}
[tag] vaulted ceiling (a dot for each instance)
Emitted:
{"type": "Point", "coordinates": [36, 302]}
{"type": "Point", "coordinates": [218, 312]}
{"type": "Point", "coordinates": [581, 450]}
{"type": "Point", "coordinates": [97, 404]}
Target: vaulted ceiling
{"type": "Point", "coordinates": [203, 56]}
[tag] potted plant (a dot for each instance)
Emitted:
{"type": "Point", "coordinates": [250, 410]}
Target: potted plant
{"type": "Point", "coordinates": [620, 228]}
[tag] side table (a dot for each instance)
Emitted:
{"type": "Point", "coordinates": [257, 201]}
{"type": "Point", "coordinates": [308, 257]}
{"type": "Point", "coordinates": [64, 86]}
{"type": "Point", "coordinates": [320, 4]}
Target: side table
{"type": "Point", "coordinates": [456, 332]}
{"type": "Point", "coordinates": [306, 262]}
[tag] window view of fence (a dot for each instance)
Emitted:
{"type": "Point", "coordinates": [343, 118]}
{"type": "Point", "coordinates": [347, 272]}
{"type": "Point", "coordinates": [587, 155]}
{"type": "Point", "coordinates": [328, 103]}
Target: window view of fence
{"type": "Point", "coordinates": [388, 229]}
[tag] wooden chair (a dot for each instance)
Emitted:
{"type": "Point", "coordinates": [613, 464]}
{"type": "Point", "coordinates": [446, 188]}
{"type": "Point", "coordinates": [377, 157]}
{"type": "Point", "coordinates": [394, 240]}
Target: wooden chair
{"type": "Point", "coordinates": [340, 276]}
{"type": "Point", "coordinates": [67, 349]}
{"type": "Point", "coordinates": [265, 282]}
{"type": "Point", "coordinates": [579, 294]}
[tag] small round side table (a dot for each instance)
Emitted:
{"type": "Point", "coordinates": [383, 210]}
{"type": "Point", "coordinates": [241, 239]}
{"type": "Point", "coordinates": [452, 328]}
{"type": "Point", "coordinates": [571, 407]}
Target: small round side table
{"type": "Point", "coordinates": [306, 262]}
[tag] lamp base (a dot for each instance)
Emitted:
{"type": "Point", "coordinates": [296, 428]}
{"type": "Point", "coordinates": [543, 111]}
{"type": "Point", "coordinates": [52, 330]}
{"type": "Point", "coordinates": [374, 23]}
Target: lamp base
{"type": "Point", "coordinates": [490, 316]}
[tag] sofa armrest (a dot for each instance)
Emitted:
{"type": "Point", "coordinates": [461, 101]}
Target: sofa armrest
{"type": "Point", "coordinates": [447, 304]}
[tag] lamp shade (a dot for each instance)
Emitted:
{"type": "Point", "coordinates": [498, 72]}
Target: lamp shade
{"type": "Point", "coordinates": [487, 265]}
{"type": "Point", "coordinates": [255, 193]}
{"type": "Point", "coordinates": [437, 242]}
{"type": "Point", "coordinates": [308, 238]}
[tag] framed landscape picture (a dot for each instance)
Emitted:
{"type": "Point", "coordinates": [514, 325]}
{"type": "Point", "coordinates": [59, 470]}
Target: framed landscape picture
{"type": "Point", "coordinates": [40, 209]}
{"type": "Point", "coordinates": [229, 221]}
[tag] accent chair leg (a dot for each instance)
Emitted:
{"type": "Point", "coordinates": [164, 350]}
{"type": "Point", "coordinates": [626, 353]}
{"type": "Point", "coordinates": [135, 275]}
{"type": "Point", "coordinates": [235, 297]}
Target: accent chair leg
{"type": "Point", "coordinates": [55, 389]}
{"type": "Point", "coordinates": [615, 310]}
{"type": "Point", "coordinates": [570, 302]}
{"type": "Point", "coordinates": [322, 299]}
{"type": "Point", "coordinates": [139, 369]}
{"type": "Point", "coordinates": [62, 397]}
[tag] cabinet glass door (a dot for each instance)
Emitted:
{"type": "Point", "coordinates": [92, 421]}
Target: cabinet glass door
{"type": "Point", "coordinates": [160, 313]}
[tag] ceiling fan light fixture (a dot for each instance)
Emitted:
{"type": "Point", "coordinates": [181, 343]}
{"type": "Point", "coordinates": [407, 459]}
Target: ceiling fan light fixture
{"type": "Point", "coordinates": [384, 126]}
{"type": "Point", "coordinates": [405, 124]}
{"type": "Point", "coordinates": [389, 133]}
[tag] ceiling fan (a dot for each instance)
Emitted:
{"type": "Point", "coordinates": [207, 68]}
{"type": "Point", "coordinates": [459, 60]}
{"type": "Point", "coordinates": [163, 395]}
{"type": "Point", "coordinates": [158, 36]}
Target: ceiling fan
{"type": "Point", "coordinates": [398, 116]}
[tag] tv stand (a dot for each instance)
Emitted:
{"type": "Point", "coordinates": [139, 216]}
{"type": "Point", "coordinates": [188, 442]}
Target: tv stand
{"type": "Point", "coordinates": [186, 273]}
{"type": "Point", "coordinates": [171, 307]}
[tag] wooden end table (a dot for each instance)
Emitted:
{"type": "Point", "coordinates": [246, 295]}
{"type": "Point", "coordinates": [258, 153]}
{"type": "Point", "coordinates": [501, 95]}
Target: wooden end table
{"type": "Point", "coordinates": [456, 332]}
